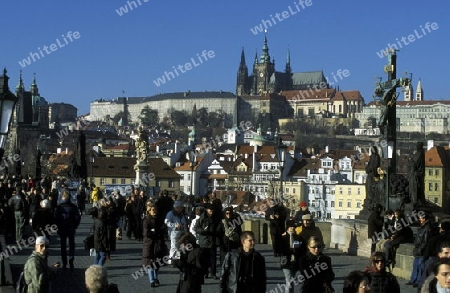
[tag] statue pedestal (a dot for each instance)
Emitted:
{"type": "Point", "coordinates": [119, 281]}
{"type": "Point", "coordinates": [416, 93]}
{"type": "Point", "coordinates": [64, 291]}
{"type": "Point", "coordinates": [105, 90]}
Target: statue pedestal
{"type": "Point", "coordinates": [142, 174]}
{"type": "Point", "coordinates": [351, 237]}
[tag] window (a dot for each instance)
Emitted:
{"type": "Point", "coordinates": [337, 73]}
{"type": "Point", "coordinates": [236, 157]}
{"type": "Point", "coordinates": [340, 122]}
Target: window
{"type": "Point", "coordinates": [358, 205]}
{"type": "Point", "coordinates": [430, 186]}
{"type": "Point", "coordinates": [332, 204]}
{"type": "Point", "coordinates": [328, 215]}
{"type": "Point", "coordinates": [326, 203]}
{"type": "Point", "coordinates": [436, 172]}
{"type": "Point", "coordinates": [311, 112]}
{"type": "Point", "coordinates": [349, 204]}
{"type": "Point", "coordinates": [436, 200]}
{"type": "Point", "coordinates": [359, 191]}
{"type": "Point", "coordinates": [122, 181]}
{"type": "Point", "coordinates": [340, 204]}
{"type": "Point", "coordinates": [293, 190]}
{"type": "Point", "coordinates": [436, 186]}
{"type": "Point", "coordinates": [341, 190]}
{"type": "Point", "coordinates": [113, 181]}
{"type": "Point", "coordinates": [171, 184]}
{"type": "Point", "coordinates": [287, 190]}
{"type": "Point", "coordinates": [349, 190]}
{"type": "Point", "coordinates": [189, 177]}
{"type": "Point", "coordinates": [430, 172]}
{"type": "Point", "coordinates": [102, 181]}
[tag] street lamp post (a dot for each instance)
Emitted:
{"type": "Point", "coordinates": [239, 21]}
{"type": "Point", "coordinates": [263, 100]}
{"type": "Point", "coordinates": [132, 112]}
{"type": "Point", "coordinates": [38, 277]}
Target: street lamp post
{"type": "Point", "coordinates": [281, 155]}
{"type": "Point", "coordinates": [92, 161]}
{"type": "Point", "coordinates": [7, 103]}
{"type": "Point", "coordinates": [192, 161]}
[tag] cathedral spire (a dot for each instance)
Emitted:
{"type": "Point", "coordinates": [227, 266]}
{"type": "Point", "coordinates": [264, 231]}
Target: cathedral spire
{"type": "Point", "coordinates": [419, 91]}
{"type": "Point", "coordinates": [242, 65]}
{"type": "Point", "coordinates": [34, 88]}
{"type": "Point", "coordinates": [256, 57]}
{"type": "Point", "coordinates": [20, 87]}
{"type": "Point", "coordinates": [288, 62]}
{"type": "Point", "coordinates": [265, 58]}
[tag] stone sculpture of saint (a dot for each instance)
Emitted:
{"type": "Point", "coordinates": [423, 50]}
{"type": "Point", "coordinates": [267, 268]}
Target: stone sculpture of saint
{"type": "Point", "coordinates": [372, 176]}
{"type": "Point", "coordinates": [141, 145]}
{"type": "Point", "coordinates": [416, 176]}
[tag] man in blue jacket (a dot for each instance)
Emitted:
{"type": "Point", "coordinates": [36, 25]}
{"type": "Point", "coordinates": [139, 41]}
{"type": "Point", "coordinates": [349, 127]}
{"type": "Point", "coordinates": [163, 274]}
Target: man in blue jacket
{"type": "Point", "coordinates": [67, 218]}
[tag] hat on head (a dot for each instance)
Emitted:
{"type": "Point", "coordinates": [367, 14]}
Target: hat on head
{"type": "Point", "coordinates": [41, 240]}
{"type": "Point", "coordinates": [307, 217]}
{"type": "Point", "coordinates": [208, 206]}
{"type": "Point", "coordinates": [290, 223]}
{"type": "Point", "coordinates": [178, 204]}
{"type": "Point", "coordinates": [303, 204]}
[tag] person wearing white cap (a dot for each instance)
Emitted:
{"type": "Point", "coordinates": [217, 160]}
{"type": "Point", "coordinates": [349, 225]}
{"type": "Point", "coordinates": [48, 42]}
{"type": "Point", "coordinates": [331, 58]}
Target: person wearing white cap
{"type": "Point", "coordinates": [176, 223]}
{"type": "Point", "coordinates": [37, 273]}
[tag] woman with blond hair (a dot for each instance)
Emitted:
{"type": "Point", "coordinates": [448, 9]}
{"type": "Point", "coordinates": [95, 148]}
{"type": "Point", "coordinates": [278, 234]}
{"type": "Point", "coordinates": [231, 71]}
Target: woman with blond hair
{"type": "Point", "coordinates": [96, 280]}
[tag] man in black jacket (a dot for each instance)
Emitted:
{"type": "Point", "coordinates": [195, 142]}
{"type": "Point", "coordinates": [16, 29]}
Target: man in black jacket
{"type": "Point", "coordinates": [18, 205]}
{"type": "Point", "coordinates": [67, 218]}
{"type": "Point", "coordinates": [375, 225]}
{"type": "Point", "coordinates": [244, 270]}
{"type": "Point", "coordinates": [276, 214]}
{"type": "Point", "coordinates": [206, 229]}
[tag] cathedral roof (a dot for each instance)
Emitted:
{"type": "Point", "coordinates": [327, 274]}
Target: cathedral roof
{"type": "Point", "coordinates": [312, 77]}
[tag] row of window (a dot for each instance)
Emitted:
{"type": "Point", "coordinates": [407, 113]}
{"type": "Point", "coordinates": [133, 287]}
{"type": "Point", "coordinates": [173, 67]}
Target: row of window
{"type": "Point", "coordinates": [314, 204]}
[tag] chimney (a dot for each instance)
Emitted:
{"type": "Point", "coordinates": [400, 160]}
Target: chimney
{"type": "Point", "coordinates": [430, 144]}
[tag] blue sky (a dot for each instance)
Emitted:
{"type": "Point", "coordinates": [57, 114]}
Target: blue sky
{"type": "Point", "coordinates": [128, 52]}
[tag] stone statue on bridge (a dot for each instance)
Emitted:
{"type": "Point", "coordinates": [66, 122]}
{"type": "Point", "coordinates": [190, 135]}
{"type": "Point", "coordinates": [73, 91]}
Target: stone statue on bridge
{"type": "Point", "coordinates": [416, 176]}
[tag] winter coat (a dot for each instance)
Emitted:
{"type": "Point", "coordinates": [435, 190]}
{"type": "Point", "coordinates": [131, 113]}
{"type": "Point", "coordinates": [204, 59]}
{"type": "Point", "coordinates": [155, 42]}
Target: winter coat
{"type": "Point", "coordinates": [172, 219]}
{"type": "Point", "coordinates": [67, 218]}
{"type": "Point", "coordinates": [192, 272]}
{"type": "Point", "coordinates": [429, 286]}
{"type": "Point", "coordinates": [383, 282]}
{"type": "Point", "coordinates": [232, 231]}
{"type": "Point", "coordinates": [154, 245]}
{"type": "Point", "coordinates": [43, 218]}
{"type": "Point", "coordinates": [314, 281]}
{"type": "Point", "coordinates": [100, 236]}
{"type": "Point", "coordinates": [375, 224]}
{"type": "Point", "coordinates": [422, 237]}
{"type": "Point", "coordinates": [277, 224]}
{"type": "Point", "coordinates": [291, 254]}
{"type": "Point", "coordinates": [37, 274]}
{"type": "Point", "coordinates": [307, 232]}
{"type": "Point", "coordinates": [231, 269]}
{"type": "Point", "coordinates": [96, 194]}
{"type": "Point", "coordinates": [205, 231]}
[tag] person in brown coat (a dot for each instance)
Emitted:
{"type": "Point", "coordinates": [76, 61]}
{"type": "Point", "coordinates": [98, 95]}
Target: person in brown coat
{"type": "Point", "coordinates": [154, 248]}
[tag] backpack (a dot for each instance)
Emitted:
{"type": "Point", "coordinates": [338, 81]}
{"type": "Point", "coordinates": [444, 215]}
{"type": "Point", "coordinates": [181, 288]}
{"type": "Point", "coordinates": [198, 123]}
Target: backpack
{"type": "Point", "coordinates": [21, 286]}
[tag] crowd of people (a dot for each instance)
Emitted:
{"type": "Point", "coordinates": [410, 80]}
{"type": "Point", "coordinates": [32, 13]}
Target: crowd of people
{"type": "Point", "coordinates": [206, 241]}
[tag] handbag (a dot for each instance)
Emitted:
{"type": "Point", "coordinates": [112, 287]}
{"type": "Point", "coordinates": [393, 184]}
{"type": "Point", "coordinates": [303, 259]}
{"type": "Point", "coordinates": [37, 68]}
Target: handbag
{"type": "Point", "coordinates": [89, 242]}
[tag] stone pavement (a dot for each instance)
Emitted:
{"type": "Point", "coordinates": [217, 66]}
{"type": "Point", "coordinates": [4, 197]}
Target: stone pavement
{"type": "Point", "coordinates": [126, 261]}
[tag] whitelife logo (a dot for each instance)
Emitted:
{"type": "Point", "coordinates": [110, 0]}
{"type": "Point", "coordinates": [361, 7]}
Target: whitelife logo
{"type": "Point", "coordinates": [429, 27]}
{"type": "Point", "coordinates": [265, 24]}
{"type": "Point", "coordinates": [206, 55]}
{"type": "Point", "coordinates": [50, 49]}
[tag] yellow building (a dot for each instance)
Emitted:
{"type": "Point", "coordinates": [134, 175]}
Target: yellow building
{"type": "Point", "coordinates": [436, 175]}
{"type": "Point", "coordinates": [349, 199]}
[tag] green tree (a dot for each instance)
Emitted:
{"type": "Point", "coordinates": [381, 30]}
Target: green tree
{"type": "Point", "coordinates": [149, 116]}
{"type": "Point", "coordinates": [179, 118]}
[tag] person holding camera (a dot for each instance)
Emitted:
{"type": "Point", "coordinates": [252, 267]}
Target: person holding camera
{"type": "Point", "coordinates": [291, 254]}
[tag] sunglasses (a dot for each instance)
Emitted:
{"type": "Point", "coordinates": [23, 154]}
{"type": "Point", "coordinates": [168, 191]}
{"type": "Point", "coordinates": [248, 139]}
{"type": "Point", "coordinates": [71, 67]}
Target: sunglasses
{"type": "Point", "coordinates": [378, 261]}
{"type": "Point", "coordinates": [316, 247]}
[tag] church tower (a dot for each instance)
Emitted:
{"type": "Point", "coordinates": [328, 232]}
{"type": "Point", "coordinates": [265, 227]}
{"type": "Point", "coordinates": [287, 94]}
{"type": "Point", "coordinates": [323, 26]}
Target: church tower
{"type": "Point", "coordinates": [262, 71]}
{"type": "Point", "coordinates": [419, 91]}
{"type": "Point", "coordinates": [288, 70]}
{"type": "Point", "coordinates": [242, 87]}
{"type": "Point", "coordinates": [408, 94]}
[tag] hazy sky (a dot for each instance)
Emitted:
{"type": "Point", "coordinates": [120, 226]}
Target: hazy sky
{"type": "Point", "coordinates": [106, 53]}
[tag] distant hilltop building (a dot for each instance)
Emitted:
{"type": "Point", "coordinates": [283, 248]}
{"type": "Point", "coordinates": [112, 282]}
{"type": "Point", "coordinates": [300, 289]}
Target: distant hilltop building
{"type": "Point", "coordinates": [265, 79]}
